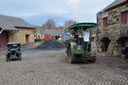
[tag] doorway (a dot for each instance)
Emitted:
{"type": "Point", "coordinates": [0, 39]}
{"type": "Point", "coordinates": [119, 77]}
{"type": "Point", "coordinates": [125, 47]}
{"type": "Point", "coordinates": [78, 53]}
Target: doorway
{"type": "Point", "coordinates": [123, 46]}
{"type": "Point", "coordinates": [27, 38]}
{"type": "Point", "coordinates": [105, 43]}
{"type": "Point", "coordinates": [123, 41]}
{"type": "Point", "coordinates": [3, 39]}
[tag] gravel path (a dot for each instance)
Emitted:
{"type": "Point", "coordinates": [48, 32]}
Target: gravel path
{"type": "Point", "coordinates": [52, 68]}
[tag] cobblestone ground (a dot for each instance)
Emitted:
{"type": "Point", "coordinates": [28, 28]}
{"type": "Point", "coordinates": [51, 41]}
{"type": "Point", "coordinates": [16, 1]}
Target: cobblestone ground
{"type": "Point", "coordinates": [52, 68]}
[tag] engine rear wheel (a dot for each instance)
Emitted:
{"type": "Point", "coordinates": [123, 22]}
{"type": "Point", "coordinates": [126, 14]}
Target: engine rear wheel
{"type": "Point", "coordinates": [93, 60]}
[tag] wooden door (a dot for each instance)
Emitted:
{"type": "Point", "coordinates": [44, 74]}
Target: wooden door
{"type": "Point", "coordinates": [3, 39]}
{"type": "Point", "coordinates": [27, 38]}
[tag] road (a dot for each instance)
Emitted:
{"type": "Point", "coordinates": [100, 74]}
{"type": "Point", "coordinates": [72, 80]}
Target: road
{"type": "Point", "coordinates": [52, 68]}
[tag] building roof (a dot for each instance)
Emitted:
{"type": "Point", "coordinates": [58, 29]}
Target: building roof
{"type": "Point", "coordinates": [11, 23]}
{"type": "Point", "coordinates": [115, 3]}
{"type": "Point", "coordinates": [12, 43]}
{"type": "Point", "coordinates": [52, 31]}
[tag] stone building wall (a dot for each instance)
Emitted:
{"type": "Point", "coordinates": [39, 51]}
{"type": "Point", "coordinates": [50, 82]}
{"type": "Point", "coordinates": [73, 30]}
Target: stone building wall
{"type": "Point", "coordinates": [37, 33]}
{"type": "Point", "coordinates": [113, 32]}
{"type": "Point", "coordinates": [19, 35]}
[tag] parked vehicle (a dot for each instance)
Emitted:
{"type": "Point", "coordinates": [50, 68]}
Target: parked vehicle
{"type": "Point", "coordinates": [14, 51]}
{"type": "Point", "coordinates": [79, 46]}
{"type": "Point", "coordinates": [65, 36]}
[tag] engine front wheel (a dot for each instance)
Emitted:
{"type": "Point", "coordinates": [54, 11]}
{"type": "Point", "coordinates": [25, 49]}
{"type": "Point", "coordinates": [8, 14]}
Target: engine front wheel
{"type": "Point", "coordinates": [72, 59]}
{"type": "Point", "coordinates": [71, 56]}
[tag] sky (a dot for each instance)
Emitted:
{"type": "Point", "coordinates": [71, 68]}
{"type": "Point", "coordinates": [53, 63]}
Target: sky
{"type": "Point", "coordinates": [37, 12]}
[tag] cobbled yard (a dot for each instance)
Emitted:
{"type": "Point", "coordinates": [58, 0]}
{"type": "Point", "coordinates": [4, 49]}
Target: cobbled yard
{"type": "Point", "coordinates": [52, 68]}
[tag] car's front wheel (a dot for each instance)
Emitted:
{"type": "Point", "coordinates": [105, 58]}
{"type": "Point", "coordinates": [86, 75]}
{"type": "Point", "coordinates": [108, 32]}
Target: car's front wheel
{"type": "Point", "coordinates": [7, 58]}
{"type": "Point", "coordinates": [19, 58]}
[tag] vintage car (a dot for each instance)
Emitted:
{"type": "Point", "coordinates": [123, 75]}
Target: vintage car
{"type": "Point", "coordinates": [14, 51]}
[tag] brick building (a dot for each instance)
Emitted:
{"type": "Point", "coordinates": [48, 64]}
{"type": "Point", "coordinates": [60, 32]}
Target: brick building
{"type": "Point", "coordinates": [15, 29]}
{"type": "Point", "coordinates": [112, 25]}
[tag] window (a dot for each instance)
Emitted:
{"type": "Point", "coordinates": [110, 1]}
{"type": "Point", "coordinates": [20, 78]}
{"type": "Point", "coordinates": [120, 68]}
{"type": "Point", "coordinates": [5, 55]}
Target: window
{"type": "Point", "coordinates": [124, 17]}
{"type": "Point", "coordinates": [105, 21]}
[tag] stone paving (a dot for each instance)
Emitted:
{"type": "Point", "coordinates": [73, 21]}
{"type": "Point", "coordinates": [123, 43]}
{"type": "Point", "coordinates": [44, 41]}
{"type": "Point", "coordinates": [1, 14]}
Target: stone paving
{"type": "Point", "coordinates": [52, 68]}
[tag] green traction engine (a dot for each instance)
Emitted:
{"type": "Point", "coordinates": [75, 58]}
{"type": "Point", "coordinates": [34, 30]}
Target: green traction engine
{"type": "Point", "coordinates": [79, 47]}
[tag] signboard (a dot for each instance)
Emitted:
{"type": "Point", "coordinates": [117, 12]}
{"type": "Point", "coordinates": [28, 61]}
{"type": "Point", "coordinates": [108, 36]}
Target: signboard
{"type": "Point", "coordinates": [86, 36]}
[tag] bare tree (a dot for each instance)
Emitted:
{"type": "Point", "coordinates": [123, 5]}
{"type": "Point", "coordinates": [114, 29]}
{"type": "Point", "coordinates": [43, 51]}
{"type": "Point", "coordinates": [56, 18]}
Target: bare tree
{"type": "Point", "coordinates": [50, 24]}
{"type": "Point", "coordinates": [69, 23]}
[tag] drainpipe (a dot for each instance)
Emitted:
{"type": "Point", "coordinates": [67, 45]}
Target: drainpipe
{"type": "Point", "coordinates": [12, 36]}
{"type": "Point", "coordinates": [97, 29]}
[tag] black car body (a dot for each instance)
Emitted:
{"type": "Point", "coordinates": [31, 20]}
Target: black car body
{"type": "Point", "coordinates": [14, 51]}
